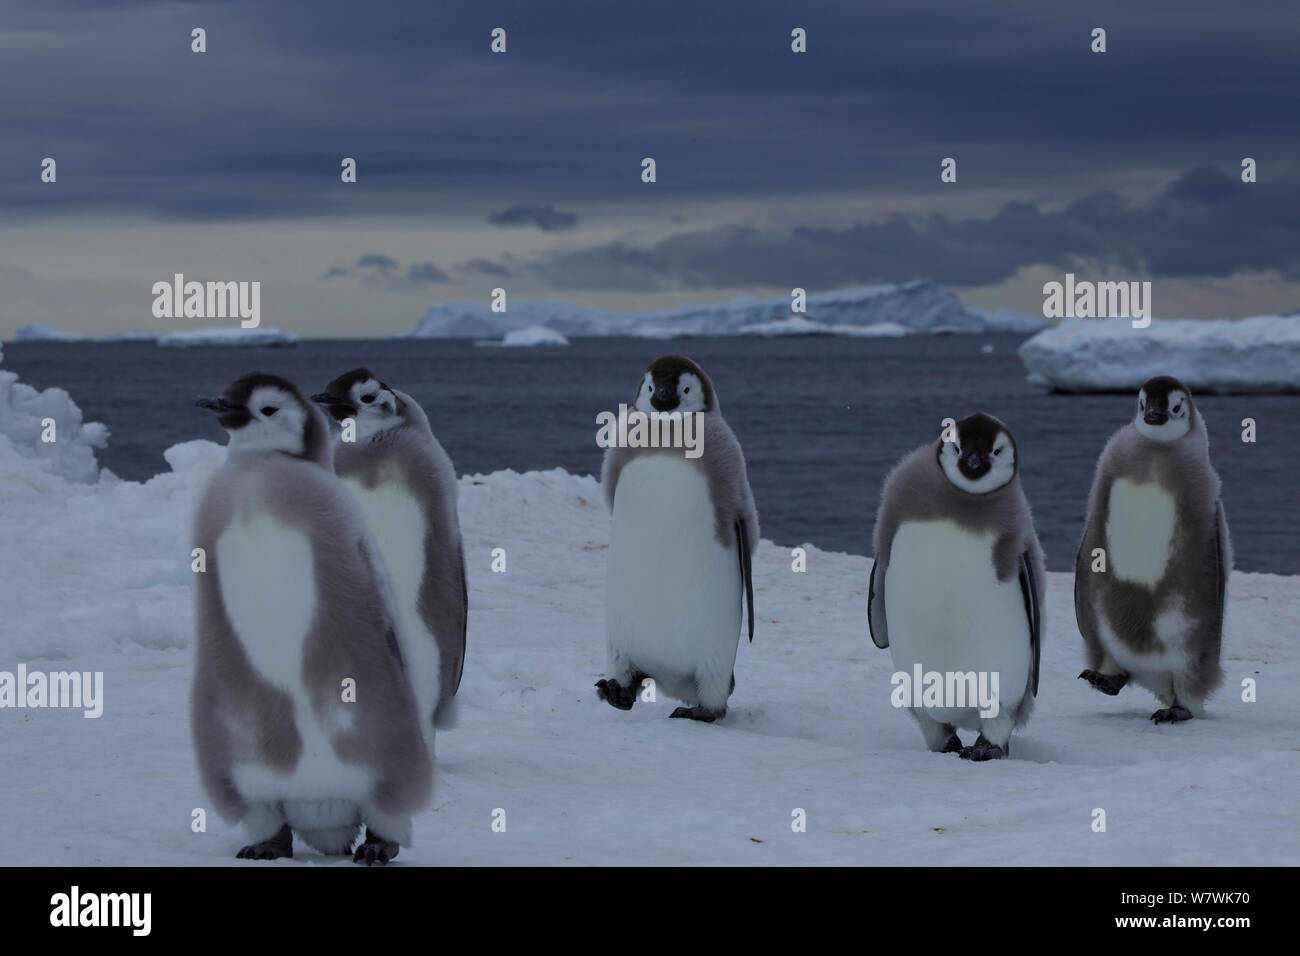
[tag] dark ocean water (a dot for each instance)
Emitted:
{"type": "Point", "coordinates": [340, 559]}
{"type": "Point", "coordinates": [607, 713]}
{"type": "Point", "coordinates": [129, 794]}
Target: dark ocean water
{"type": "Point", "coordinates": [821, 419]}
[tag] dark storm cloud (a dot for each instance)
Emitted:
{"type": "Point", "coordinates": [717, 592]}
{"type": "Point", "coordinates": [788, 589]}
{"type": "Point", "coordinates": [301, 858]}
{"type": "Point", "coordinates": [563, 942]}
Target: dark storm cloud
{"type": "Point", "coordinates": [546, 218]}
{"type": "Point", "coordinates": [257, 126]}
{"type": "Point", "coordinates": [259, 123]}
{"type": "Point", "coordinates": [379, 270]}
{"type": "Point", "coordinates": [1204, 223]}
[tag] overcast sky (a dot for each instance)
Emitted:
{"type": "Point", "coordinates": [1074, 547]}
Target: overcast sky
{"type": "Point", "coordinates": [523, 169]}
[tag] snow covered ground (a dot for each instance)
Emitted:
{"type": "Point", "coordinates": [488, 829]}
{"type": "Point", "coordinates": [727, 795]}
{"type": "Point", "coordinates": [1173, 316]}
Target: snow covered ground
{"type": "Point", "coordinates": [96, 577]}
{"type": "Point", "coordinates": [1260, 354]}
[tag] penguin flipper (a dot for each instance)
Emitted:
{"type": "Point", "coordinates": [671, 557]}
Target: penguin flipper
{"type": "Point", "coordinates": [1223, 554]}
{"type": "Point", "coordinates": [1029, 588]}
{"type": "Point", "coordinates": [876, 611]}
{"type": "Point", "coordinates": [464, 614]}
{"type": "Point", "coordinates": [746, 570]}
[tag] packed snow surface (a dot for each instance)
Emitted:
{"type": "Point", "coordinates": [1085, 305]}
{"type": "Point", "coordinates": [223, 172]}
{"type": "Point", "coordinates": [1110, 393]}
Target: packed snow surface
{"type": "Point", "coordinates": [29, 417]}
{"type": "Point", "coordinates": [97, 578]}
{"type": "Point", "coordinates": [225, 336]}
{"type": "Point", "coordinates": [1260, 354]}
{"type": "Point", "coordinates": [915, 307]}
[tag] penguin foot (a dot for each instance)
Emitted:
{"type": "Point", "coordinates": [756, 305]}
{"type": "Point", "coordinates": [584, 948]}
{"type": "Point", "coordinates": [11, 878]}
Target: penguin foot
{"type": "Point", "coordinates": [698, 713]}
{"type": "Point", "coordinates": [1172, 715]}
{"type": "Point", "coordinates": [953, 746]}
{"type": "Point", "coordinates": [615, 694]}
{"type": "Point", "coordinates": [983, 750]}
{"type": "Point", "coordinates": [374, 850]}
{"type": "Point", "coordinates": [279, 845]}
{"type": "Point", "coordinates": [1110, 684]}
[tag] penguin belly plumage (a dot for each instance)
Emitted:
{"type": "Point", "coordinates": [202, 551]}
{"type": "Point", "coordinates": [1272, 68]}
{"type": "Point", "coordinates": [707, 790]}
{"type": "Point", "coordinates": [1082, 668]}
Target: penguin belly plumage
{"type": "Point", "coordinates": [673, 590]}
{"type": "Point", "coordinates": [397, 522]}
{"type": "Point", "coordinates": [1139, 535]}
{"type": "Point", "coordinates": [268, 589]}
{"type": "Point", "coordinates": [947, 611]}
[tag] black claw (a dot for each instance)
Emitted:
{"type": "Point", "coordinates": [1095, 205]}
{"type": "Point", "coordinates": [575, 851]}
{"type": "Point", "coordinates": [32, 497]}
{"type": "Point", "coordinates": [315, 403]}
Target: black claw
{"type": "Point", "coordinates": [1110, 684]}
{"type": "Point", "coordinates": [277, 846]}
{"type": "Point", "coordinates": [615, 694]}
{"type": "Point", "coordinates": [1172, 715]}
{"type": "Point", "coordinates": [983, 750]}
{"type": "Point", "coordinates": [697, 713]}
{"type": "Point", "coordinates": [374, 850]}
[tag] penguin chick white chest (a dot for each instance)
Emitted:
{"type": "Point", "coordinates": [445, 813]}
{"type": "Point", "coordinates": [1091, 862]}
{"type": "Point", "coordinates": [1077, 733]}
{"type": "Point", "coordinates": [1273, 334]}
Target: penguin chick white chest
{"type": "Point", "coordinates": [268, 586]}
{"type": "Point", "coordinates": [673, 590]}
{"type": "Point", "coordinates": [1140, 530]}
{"type": "Point", "coordinates": [948, 612]}
{"type": "Point", "coordinates": [396, 519]}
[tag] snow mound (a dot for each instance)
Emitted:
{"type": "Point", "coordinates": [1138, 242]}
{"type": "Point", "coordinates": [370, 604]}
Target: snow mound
{"type": "Point", "coordinates": [27, 416]}
{"type": "Point", "coordinates": [43, 332]}
{"type": "Point", "coordinates": [226, 336]}
{"type": "Point", "coordinates": [915, 306]}
{"type": "Point", "coordinates": [533, 335]}
{"type": "Point", "coordinates": [1260, 354]}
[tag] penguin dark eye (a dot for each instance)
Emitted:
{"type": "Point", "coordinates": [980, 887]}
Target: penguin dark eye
{"type": "Point", "coordinates": [269, 410]}
{"type": "Point", "coordinates": [997, 451]}
{"type": "Point", "coordinates": [367, 398]}
{"type": "Point", "coordinates": [686, 390]}
{"type": "Point", "coordinates": [1177, 409]}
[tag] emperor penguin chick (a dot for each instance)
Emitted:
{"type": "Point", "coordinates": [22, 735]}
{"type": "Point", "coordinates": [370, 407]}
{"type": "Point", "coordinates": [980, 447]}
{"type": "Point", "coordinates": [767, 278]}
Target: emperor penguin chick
{"type": "Point", "coordinates": [957, 585]}
{"type": "Point", "coordinates": [1151, 578]}
{"type": "Point", "coordinates": [407, 488]}
{"type": "Point", "coordinates": [682, 537]}
{"type": "Point", "coordinates": [303, 713]}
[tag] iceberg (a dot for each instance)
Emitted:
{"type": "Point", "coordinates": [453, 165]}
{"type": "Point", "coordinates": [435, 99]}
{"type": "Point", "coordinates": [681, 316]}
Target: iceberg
{"type": "Point", "coordinates": [1260, 354]}
{"type": "Point", "coordinates": [533, 335]}
{"type": "Point", "coordinates": [920, 306]}
{"type": "Point", "coordinates": [798, 325]}
{"type": "Point", "coordinates": [44, 332]}
{"type": "Point", "coordinates": [226, 336]}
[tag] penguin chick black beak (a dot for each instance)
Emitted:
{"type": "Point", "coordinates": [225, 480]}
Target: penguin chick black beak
{"type": "Point", "coordinates": [664, 399]}
{"type": "Point", "coordinates": [218, 405]}
{"type": "Point", "coordinates": [1154, 416]}
{"type": "Point", "coordinates": [974, 460]}
{"type": "Point", "coordinates": [340, 408]}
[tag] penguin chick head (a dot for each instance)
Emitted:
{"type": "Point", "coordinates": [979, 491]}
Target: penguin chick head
{"type": "Point", "coordinates": [673, 383]}
{"type": "Point", "coordinates": [265, 412]}
{"type": "Point", "coordinates": [1165, 409]}
{"type": "Point", "coordinates": [361, 396]}
{"type": "Point", "coordinates": [981, 457]}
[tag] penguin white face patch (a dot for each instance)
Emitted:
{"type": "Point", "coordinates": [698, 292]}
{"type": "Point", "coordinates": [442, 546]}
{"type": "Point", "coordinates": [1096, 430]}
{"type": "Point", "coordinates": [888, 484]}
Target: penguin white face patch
{"type": "Point", "coordinates": [1166, 424]}
{"type": "Point", "coordinates": [1001, 461]}
{"type": "Point", "coordinates": [277, 422]}
{"type": "Point", "coordinates": [376, 408]}
{"type": "Point", "coordinates": [690, 394]}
